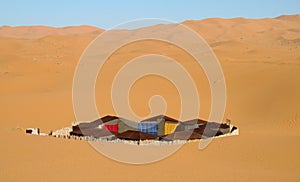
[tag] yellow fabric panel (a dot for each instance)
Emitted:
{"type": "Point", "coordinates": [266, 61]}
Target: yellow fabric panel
{"type": "Point", "coordinates": [170, 127]}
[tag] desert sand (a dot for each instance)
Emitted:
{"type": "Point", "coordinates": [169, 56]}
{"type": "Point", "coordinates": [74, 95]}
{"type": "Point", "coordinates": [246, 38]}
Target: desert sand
{"type": "Point", "coordinates": [261, 63]}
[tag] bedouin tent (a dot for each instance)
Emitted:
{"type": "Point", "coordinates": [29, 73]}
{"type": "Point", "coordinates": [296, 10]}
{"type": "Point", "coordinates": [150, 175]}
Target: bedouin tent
{"type": "Point", "coordinates": [135, 135]}
{"type": "Point", "coordinates": [183, 135]}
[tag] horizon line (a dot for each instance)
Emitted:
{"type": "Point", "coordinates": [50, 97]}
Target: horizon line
{"type": "Point", "coordinates": [95, 26]}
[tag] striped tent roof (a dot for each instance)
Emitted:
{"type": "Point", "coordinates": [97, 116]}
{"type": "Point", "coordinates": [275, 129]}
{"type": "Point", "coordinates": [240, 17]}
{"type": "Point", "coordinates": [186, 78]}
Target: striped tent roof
{"type": "Point", "coordinates": [98, 122]}
{"type": "Point", "coordinates": [207, 132]}
{"type": "Point", "coordinates": [195, 121]}
{"type": "Point", "coordinates": [135, 135]}
{"type": "Point", "coordinates": [92, 132]}
{"type": "Point", "coordinates": [183, 135]}
{"type": "Point", "coordinates": [155, 118]}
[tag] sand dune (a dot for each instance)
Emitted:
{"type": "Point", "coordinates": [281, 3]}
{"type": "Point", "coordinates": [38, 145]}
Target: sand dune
{"type": "Point", "coordinates": [260, 59]}
{"type": "Point", "coordinates": [34, 32]}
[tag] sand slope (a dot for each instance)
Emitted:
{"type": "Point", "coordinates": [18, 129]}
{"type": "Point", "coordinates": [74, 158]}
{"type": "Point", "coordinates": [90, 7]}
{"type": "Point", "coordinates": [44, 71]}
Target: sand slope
{"type": "Point", "coordinates": [260, 59]}
{"type": "Point", "coordinates": [34, 32]}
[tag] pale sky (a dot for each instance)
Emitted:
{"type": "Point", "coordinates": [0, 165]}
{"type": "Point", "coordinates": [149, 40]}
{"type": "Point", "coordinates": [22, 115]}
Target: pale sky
{"type": "Point", "coordinates": [106, 14]}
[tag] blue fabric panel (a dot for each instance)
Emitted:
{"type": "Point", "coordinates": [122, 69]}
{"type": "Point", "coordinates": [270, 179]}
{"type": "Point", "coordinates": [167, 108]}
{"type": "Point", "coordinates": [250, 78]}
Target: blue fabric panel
{"type": "Point", "coordinates": [148, 127]}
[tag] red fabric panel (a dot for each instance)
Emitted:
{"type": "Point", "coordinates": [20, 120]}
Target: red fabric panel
{"type": "Point", "coordinates": [113, 128]}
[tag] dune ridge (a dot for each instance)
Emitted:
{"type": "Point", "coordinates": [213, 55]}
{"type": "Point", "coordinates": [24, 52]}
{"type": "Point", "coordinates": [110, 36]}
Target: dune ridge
{"type": "Point", "coordinates": [35, 32]}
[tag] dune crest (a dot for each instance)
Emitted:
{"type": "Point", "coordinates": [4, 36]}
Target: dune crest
{"type": "Point", "coordinates": [34, 32]}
